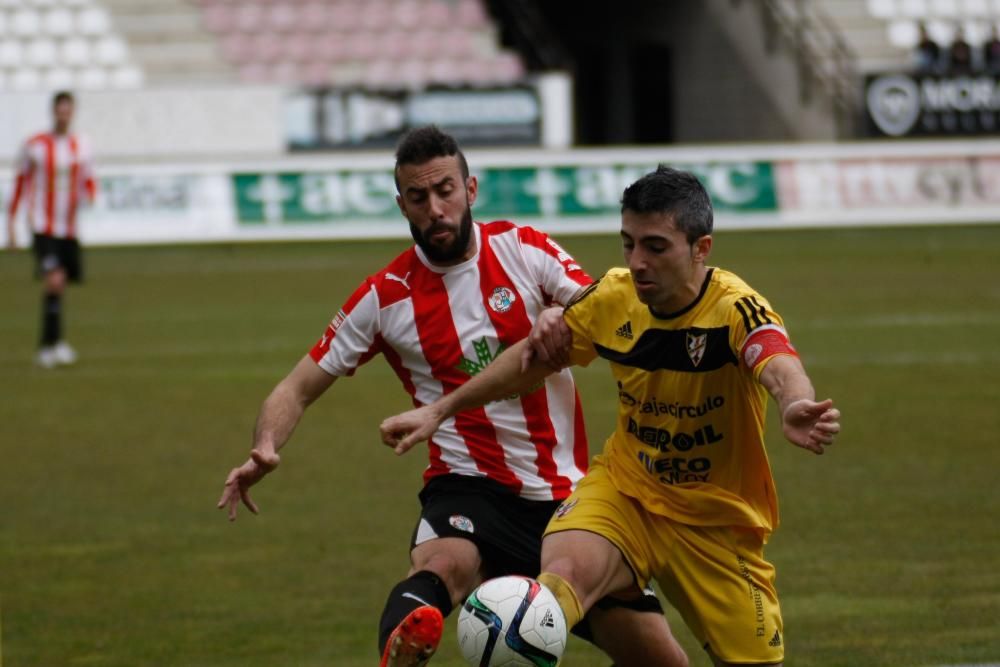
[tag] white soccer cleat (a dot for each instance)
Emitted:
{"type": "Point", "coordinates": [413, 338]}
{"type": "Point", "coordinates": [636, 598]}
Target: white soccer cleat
{"type": "Point", "coordinates": [65, 355]}
{"type": "Point", "coordinates": [46, 357]}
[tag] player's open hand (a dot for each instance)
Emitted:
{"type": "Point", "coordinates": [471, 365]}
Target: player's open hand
{"type": "Point", "coordinates": [239, 481]}
{"type": "Point", "coordinates": [549, 341]}
{"type": "Point", "coordinates": [810, 424]}
{"type": "Point", "coordinates": [403, 431]}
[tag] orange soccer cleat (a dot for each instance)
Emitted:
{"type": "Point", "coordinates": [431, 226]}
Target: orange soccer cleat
{"type": "Point", "coordinates": [415, 639]}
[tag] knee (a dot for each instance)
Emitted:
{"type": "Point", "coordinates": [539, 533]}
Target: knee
{"type": "Point", "coordinates": [459, 575]}
{"type": "Point", "coordinates": [55, 282]}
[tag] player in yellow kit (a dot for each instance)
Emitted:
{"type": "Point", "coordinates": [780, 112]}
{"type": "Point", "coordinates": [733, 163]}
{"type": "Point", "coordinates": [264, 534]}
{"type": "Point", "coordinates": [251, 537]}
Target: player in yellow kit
{"type": "Point", "coordinates": [683, 492]}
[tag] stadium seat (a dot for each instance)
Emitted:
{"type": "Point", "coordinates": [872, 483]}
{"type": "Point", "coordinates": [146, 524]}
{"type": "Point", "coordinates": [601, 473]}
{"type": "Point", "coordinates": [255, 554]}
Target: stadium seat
{"type": "Point", "coordinates": [903, 34]}
{"type": "Point", "coordinates": [316, 74]}
{"type": "Point", "coordinates": [313, 16]}
{"type": "Point", "coordinates": [75, 52]}
{"type": "Point", "coordinates": [882, 9]}
{"type": "Point", "coordinates": [976, 8]}
{"type": "Point", "coordinates": [976, 32]}
{"type": "Point", "coordinates": [41, 52]}
{"type": "Point", "coordinates": [93, 21]}
{"type": "Point", "coordinates": [59, 78]}
{"type": "Point", "coordinates": [219, 17]}
{"type": "Point", "coordinates": [407, 13]}
{"type": "Point", "coordinates": [944, 8]}
{"type": "Point", "coordinates": [472, 15]}
{"type": "Point", "coordinates": [111, 51]}
{"type": "Point", "coordinates": [437, 13]}
{"type": "Point", "coordinates": [250, 17]}
{"type": "Point", "coordinates": [343, 17]}
{"type": "Point", "coordinates": [340, 42]}
{"type": "Point", "coordinates": [236, 47]}
{"type": "Point", "coordinates": [327, 49]}
{"type": "Point", "coordinates": [25, 78]}
{"type": "Point", "coordinates": [507, 68]}
{"type": "Point", "coordinates": [283, 16]}
{"type": "Point", "coordinates": [93, 78]}
{"type": "Point", "coordinates": [444, 71]}
{"type": "Point", "coordinates": [916, 9]}
{"type": "Point", "coordinates": [375, 15]}
{"type": "Point", "coordinates": [267, 48]}
{"type": "Point", "coordinates": [11, 53]}
{"type": "Point", "coordinates": [941, 32]}
{"type": "Point", "coordinates": [254, 73]}
{"type": "Point", "coordinates": [298, 47]}
{"type": "Point", "coordinates": [26, 23]}
{"type": "Point", "coordinates": [455, 43]}
{"type": "Point", "coordinates": [58, 22]}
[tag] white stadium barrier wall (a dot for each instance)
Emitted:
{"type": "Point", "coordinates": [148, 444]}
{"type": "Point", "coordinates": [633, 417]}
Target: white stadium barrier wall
{"type": "Point", "coordinates": [352, 195]}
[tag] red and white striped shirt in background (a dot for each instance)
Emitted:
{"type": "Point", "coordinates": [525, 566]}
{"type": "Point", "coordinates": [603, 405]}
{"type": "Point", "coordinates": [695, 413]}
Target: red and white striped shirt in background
{"type": "Point", "coordinates": [53, 172]}
{"type": "Point", "coordinates": [438, 326]}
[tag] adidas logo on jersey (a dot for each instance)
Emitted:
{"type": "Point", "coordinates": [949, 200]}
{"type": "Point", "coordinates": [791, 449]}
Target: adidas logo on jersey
{"type": "Point", "coordinates": [776, 640]}
{"type": "Point", "coordinates": [547, 619]}
{"type": "Point", "coordinates": [625, 330]}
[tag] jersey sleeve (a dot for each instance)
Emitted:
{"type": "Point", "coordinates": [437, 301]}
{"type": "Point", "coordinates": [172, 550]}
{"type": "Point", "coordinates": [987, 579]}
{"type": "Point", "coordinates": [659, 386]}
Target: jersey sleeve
{"type": "Point", "coordinates": [350, 340]}
{"type": "Point", "coordinates": [23, 170]}
{"type": "Point", "coordinates": [757, 333]}
{"type": "Point", "coordinates": [579, 317]}
{"type": "Point", "coordinates": [557, 273]}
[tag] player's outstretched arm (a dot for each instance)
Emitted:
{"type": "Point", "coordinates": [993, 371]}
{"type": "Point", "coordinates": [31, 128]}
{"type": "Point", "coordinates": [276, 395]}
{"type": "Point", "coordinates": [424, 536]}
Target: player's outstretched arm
{"type": "Point", "coordinates": [501, 378]}
{"type": "Point", "coordinates": [279, 415]}
{"type": "Point", "coordinates": [806, 422]}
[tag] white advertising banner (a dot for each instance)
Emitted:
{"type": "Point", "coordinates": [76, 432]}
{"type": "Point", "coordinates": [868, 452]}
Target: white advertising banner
{"type": "Point", "coordinates": [353, 195]}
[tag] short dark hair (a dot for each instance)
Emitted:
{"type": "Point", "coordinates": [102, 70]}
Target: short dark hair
{"type": "Point", "coordinates": [62, 96]}
{"type": "Point", "coordinates": [423, 144]}
{"type": "Point", "coordinates": [674, 192]}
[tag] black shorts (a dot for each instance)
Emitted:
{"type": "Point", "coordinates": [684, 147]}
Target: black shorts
{"type": "Point", "coordinates": [506, 528]}
{"type": "Point", "coordinates": [52, 253]}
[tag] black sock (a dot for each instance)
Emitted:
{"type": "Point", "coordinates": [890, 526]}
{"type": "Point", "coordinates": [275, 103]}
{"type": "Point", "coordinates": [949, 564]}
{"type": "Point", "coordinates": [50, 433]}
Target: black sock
{"type": "Point", "coordinates": [51, 319]}
{"type": "Point", "coordinates": [424, 585]}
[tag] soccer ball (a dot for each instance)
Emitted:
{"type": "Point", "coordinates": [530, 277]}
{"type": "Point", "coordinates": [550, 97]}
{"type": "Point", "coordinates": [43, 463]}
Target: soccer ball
{"type": "Point", "coordinates": [512, 622]}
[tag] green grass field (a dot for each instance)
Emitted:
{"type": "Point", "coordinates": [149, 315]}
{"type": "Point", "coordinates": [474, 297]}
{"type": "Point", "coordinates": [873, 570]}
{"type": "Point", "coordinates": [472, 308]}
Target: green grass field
{"type": "Point", "coordinates": [112, 553]}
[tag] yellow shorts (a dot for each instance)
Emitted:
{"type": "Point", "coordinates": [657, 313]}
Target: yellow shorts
{"type": "Point", "coordinates": [715, 576]}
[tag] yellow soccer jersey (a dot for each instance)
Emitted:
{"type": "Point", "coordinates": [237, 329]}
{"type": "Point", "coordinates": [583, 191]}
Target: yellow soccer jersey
{"type": "Point", "coordinates": [689, 442]}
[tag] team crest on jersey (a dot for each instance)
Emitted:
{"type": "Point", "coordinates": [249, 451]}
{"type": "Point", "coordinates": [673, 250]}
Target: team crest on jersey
{"type": "Point", "coordinates": [463, 523]}
{"type": "Point", "coordinates": [502, 299]}
{"type": "Point", "coordinates": [565, 508]}
{"type": "Point", "coordinates": [696, 344]}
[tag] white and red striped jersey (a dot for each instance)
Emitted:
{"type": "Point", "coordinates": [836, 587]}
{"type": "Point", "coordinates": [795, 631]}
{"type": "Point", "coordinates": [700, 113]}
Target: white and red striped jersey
{"type": "Point", "coordinates": [438, 326]}
{"type": "Point", "coordinates": [54, 172]}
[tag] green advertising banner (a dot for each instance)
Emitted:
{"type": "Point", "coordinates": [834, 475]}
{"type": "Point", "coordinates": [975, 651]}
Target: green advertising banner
{"type": "Point", "coordinates": [504, 192]}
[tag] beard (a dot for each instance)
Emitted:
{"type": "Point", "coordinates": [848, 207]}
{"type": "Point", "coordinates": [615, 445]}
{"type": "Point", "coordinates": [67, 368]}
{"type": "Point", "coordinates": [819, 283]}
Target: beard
{"type": "Point", "coordinates": [450, 252]}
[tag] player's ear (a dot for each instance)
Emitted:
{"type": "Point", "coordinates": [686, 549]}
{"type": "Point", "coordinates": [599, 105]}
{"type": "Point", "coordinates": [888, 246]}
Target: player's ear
{"type": "Point", "coordinates": [402, 207]}
{"type": "Point", "coordinates": [472, 189]}
{"type": "Point", "coordinates": [702, 248]}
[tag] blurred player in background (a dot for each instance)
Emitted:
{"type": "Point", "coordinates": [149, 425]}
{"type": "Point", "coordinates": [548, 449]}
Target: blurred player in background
{"type": "Point", "coordinates": [683, 492]}
{"type": "Point", "coordinates": [439, 313]}
{"type": "Point", "coordinates": [53, 174]}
